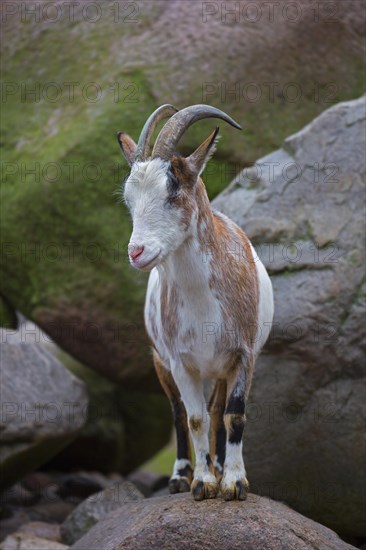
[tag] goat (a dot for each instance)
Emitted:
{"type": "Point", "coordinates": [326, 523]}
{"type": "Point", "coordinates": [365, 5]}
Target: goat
{"type": "Point", "coordinates": [209, 302]}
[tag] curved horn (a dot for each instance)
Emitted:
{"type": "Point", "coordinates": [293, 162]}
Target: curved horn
{"type": "Point", "coordinates": [174, 129]}
{"type": "Point", "coordinates": [143, 146]}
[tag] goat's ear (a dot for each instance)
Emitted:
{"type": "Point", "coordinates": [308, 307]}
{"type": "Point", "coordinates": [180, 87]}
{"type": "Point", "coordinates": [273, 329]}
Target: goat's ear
{"type": "Point", "coordinates": [128, 147]}
{"type": "Point", "coordinates": [204, 152]}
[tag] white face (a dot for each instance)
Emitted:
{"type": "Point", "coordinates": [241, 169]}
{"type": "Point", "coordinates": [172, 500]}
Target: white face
{"type": "Point", "coordinates": [158, 223]}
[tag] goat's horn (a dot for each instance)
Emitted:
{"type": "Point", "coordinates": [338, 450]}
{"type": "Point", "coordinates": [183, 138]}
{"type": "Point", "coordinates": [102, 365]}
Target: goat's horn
{"type": "Point", "coordinates": [143, 146]}
{"type": "Point", "coordinates": [174, 129]}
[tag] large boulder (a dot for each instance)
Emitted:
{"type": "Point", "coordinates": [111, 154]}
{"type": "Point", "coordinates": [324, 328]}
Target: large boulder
{"type": "Point", "coordinates": [107, 440]}
{"type": "Point", "coordinates": [303, 206]}
{"type": "Point", "coordinates": [43, 406]}
{"type": "Point", "coordinates": [75, 75]}
{"type": "Point", "coordinates": [176, 522]}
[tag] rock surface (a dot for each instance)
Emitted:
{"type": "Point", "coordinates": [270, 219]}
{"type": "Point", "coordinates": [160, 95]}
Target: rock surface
{"type": "Point", "coordinates": [40, 529]}
{"type": "Point", "coordinates": [177, 522]}
{"type": "Point", "coordinates": [114, 416]}
{"type": "Point", "coordinates": [96, 508]}
{"type": "Point", "coordinates": [43, 408]}
{"type": "Point", "coordinates": [41, 502]}
{"type": "Point", "coordinates": [304, 440]}
{"type": "Point", "coordinates": [23, 541]}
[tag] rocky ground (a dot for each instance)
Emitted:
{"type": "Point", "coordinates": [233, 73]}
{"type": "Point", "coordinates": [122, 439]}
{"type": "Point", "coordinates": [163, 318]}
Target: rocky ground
{"type": "Point", "coordinates": [62, 507]}
{"type": "Point", "coordinates": [57, 511]}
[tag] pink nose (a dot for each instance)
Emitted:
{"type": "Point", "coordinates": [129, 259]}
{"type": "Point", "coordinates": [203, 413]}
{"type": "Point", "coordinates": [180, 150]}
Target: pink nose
{"type": "Point", "coordinates": [135, 251]}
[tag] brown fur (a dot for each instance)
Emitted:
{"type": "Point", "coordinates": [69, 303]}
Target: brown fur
{"type": "Point", "coordinates": [233, 271]}
{"type": "Point", "coordinates": [195, 424]}
{"type": "Point", "coordinates": [172, 392]}
{"type": "Point", "coordinates": [216, 410]}
{"type": "Point", "coordinates": [128, 147]}
{"type": "Point", "coordinates": [239, 302]}
{"type": "Point", "coordinates": [169, 308]}
{"type": "Point", "coordinates": [184, 201]}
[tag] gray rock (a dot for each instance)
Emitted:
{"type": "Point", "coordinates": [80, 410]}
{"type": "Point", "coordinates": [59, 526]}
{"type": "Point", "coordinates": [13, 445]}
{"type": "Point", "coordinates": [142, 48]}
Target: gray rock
{"type": "Point", "coordinates": [24, 541]}
{"type": "Point", "coordinates": [305, 214]}
{"type": "Point", "coordinates": [148, 482]}
{"type": "Point", "coordinates": [177, 522]}
{"type": "Point", "coordinates": [49, 531]}
{"type": "Point", "coordinates": [43, 408]}
{"type": "Point", "coordinates": [96, 508]}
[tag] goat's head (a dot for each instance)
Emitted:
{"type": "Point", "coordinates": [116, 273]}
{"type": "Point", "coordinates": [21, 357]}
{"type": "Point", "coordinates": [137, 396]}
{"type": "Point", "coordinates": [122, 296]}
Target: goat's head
{"type": "Point", "coordinates": [160, 190]}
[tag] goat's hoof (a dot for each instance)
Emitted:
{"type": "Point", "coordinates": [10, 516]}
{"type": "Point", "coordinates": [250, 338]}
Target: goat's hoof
{"type": "Point", "coordinates": [234, 490]}
{"type": "Point", "coordinates": [179, 485]}
{"type": "Point", "coordinates": [204, 489]}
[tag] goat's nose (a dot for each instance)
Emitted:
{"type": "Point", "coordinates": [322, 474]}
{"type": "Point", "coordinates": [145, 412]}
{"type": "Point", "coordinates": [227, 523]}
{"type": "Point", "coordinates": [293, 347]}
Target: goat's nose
{"type": "Point", "coordinates": [135, 251]}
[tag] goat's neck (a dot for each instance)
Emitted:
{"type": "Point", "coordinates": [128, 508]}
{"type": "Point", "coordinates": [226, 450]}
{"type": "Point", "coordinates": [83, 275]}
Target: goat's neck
{"type": "Point", "coordinates": [188, 266]}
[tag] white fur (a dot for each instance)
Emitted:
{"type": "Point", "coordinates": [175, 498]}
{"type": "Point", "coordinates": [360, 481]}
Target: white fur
{"type": "Point", "coordinates": [265, 306]}
{"type": "Point", "coordinates": [179, 464]}
{"type": "Point", "coordinates": [154, 227]}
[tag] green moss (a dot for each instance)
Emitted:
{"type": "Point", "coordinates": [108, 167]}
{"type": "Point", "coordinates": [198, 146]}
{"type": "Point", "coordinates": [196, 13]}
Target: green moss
{"type": "Point", "coordinates": [163, 462]}
{"type": "Point", "coordinates": [8, 318]}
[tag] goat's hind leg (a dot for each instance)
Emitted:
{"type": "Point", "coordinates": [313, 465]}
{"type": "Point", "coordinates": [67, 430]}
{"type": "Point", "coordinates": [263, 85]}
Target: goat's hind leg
{"type": "Point", "coordinates": [180, 481]}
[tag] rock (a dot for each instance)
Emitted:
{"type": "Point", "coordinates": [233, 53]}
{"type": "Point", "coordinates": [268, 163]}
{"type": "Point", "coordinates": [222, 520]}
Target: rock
{"type": "Point", "coordinates": [161, 492]}
{"type": "Point", "coordinates": [38, 482]}
{"type": "Point", "coordinates": [40, 529]}
{"type": "Point", "coordinates": [148, 482]}
{"type": "Point", "coordinates": [11, 521]}
{"type": "Point", "coordinates": [178, 522]}
{"type": "Point", "coordinates": [43, 408]}
{"type": "Point", "coordinates": [64, 235]}
{"type": "Point", "coordinates": [96, 508]}
{"type": "Point", "coordinates": [51, 511]}
{"type": "Point", "coordinates": [303, 443]}
{"type": "Point", "coordinates": [18, 495]}
{"type": "Point", "coordinates": [108, 441]}
{"type": "Point", "coordinates": [23, 541]}
{"type": "Point", "coordinates": [82, 484]}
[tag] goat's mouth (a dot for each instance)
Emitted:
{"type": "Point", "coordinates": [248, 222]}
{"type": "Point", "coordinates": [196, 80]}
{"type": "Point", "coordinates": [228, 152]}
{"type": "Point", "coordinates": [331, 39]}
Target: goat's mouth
{"type": "Point", "coordinates": [146, 264]}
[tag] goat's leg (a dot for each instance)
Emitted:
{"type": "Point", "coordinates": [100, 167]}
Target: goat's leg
{"type": "Point", "coordinates": [181, 478]}
{"type": "Point", "coordinates": [218, 430]}
{"type": "Point", "coordinates": [204, 483]}
{"type": "Point", "coordinates": [234, 484]}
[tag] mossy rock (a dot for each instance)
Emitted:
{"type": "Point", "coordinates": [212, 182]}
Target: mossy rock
{"type": "Point", "coordinates": [72, 83]}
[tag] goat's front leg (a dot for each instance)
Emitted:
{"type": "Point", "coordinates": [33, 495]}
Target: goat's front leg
{"type": "Point", "coordinates": [204, 483]}
{"type": "Point", "coordinates": [234, 483]}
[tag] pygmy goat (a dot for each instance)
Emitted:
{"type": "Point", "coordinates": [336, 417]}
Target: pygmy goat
{"type": "Point", "coordinates": [209, 303]}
